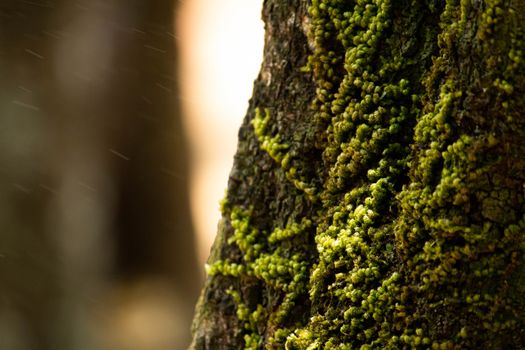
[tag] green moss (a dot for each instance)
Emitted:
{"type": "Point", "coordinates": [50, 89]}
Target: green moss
{"type": "Point", "coordinates": [279, 153]}
{"type": "Point", "coordinates": [267, 258]}
{"type": "Point", "coordinates": [250, 320]}
{"type": "Point", "coordinates": [420, 214]}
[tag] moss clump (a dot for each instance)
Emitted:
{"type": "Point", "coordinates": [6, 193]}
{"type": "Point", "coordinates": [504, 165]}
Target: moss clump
{"type": "Point", "coordinates": [280, 153]}
{"type": "Point", "coordinates": [268, 258]}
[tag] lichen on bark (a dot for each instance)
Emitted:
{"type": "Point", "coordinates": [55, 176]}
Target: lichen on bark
{"type": "Point", "coordinates": [377, 196]}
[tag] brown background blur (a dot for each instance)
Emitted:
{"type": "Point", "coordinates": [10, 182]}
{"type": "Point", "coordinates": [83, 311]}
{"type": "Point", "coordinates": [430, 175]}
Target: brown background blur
{"type": "Point", "coordinates": [118, 124]}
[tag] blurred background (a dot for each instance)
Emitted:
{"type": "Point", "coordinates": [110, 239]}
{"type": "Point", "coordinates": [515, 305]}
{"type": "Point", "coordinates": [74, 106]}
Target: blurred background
{"type": "Point", "coordinates": [118, 125]}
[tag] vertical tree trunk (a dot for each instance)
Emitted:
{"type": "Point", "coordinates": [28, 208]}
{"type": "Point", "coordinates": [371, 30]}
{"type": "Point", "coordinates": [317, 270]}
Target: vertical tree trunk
{"type": "Point", "coordinates": [377, 196]}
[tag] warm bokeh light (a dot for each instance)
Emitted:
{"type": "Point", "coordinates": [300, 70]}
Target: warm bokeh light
{"type": "Point", "coordinates": [220, 47]}
{"type": "Point", "coordinates": [97, 249]}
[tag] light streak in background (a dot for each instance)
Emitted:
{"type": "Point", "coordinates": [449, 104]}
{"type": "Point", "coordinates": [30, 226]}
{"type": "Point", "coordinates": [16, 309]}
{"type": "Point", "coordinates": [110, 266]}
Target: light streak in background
{"type": "Point", "coordinates": [220, 45]}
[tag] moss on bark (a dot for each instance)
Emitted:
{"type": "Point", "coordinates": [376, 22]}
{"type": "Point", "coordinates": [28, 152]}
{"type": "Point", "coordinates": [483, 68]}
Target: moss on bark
{"type": "Point", "coordinates": [386, 209]}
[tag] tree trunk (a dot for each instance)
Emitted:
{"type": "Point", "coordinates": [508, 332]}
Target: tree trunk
{"type": "Point", "coordinates": [377, 196]}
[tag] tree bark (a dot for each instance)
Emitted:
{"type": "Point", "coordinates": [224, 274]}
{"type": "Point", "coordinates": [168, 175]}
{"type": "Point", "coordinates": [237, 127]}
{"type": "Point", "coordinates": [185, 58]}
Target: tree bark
{"type": "Point", "coordinates": [377, 196]}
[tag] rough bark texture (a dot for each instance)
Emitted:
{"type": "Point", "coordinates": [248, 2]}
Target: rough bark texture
{"type": "Point", "coordinates": [377, 196]}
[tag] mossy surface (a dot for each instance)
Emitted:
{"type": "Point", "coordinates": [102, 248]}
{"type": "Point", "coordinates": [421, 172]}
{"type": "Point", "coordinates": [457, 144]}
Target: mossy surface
{"type": "Point", "coordinates": [393, 216]}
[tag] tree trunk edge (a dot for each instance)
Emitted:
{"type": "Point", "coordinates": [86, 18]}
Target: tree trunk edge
{"type": "Point", "coordinates": [249, 155]}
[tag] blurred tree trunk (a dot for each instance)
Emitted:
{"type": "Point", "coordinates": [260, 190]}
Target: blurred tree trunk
{"type": "Point", "coordinates": [377, 196]}
{"type": "Point", "coordinates": [94, 182]}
